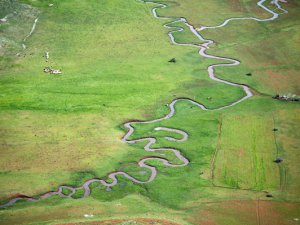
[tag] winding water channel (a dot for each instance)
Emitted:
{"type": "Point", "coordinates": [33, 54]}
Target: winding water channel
{"type": "Point", "coordinates": [150, 140]}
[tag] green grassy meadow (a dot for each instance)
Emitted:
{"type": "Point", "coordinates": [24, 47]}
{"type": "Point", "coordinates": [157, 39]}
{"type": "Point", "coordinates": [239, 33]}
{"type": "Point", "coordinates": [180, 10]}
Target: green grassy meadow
{"type": "Point", "coordinates": [104, 83]}
{"type": "Point", "coordinates": [114, 57]}
{"type": "Point", "coordinates": [274, 69]}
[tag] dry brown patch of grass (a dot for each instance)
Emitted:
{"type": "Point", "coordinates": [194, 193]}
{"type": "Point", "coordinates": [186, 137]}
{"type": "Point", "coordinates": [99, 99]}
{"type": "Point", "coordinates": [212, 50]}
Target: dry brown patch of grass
{"type": "Point", "coordinates": [138, 221]}
{"type": "Point", "coordinates": [278, 213]}
{"type": "Point", "coordinates": [281, 81]}
{"type": "Point", "coordinates": [237, 212]}
{"type": "Point", "coordinates": [228, 212]}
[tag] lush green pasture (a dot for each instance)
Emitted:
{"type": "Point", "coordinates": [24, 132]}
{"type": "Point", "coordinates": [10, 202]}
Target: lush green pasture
{"type": "Point", "coordinates": [273, 69]}
{"type": "Point", "coordinates": [185, 36]}
{"type": "Point", "coordinates": [288, 144]}
{"type": "Point", "coordinates": [193, 184]}
{"type": "Point", "coordinates": [114, 58]}
{"type": "Point", "coordinates": [271, 53]}
{"type": "Point", "coordinates": [244, 157]}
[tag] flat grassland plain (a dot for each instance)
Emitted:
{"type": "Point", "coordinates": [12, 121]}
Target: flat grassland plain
{"type": "Point", "coordinates": [114, 55]}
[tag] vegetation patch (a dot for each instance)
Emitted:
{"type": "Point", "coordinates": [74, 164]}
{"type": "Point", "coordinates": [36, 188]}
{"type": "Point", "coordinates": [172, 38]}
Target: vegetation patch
{"type": "Point", "coordinates": [118, 65]}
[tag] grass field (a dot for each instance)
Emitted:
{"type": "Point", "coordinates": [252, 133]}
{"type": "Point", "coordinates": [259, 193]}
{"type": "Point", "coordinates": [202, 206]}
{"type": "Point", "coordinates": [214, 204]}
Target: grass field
{"type": "Point", "coordinates": [214, 13]}
{"type": "Point", "coordinates": [114, 59]}
{"type": "Point", "coordinates": [105, 80]}
{"type": "Point", "coordinates": [251, 156]}
{"type": "Point", "coordinates": [274, 69]}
